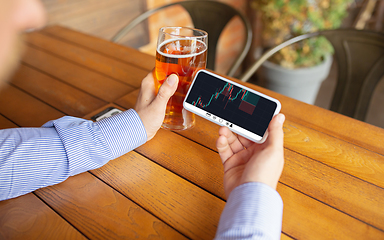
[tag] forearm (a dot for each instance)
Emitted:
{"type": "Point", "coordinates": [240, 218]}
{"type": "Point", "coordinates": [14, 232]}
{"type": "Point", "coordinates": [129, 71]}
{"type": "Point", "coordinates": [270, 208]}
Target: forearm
{"type": "Point", "coordinates": [31, 158]}
{"type": "Point", "coordinates": [253, 211]}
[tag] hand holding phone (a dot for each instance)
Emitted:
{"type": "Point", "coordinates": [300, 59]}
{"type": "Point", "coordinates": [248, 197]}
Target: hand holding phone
{"type": "Point", "coordinates": [226, 103]}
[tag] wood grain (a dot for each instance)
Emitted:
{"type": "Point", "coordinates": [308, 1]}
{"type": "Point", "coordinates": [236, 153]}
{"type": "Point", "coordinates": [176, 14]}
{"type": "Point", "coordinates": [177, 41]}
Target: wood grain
{"type": "Point", "coordinates": [204, 132]}
{"type": "Point", "coordinates": [341, 155]}
{"type": "Point", "coordinates": [82, 78]}
{"type": "Point", "coordinates": [111, 67]}
{"type": "Point", "coordinates": [325, 184]}
{"type": "Point", "coordinates": [182, 205]}
{"type": "Point", "coordinates": [98, 18]}
{"type": "Point", "coordinates": [194, 162]}
{"type": "Point", "coordinates": [307, 218]}
{"type": "Point", "coordinates": [97, 111]}
{"type": "Point", "coordinates": [285, 237]}
{"type": "Point", "coordinates": [346, 157]}
{"type": "Point", "coordinates": [63, 97]}
{"type": "Point", "coordinates": [128, 55]}
{"type": "Point", "coordinates": [171, 187]}
{"type": "Point", "coordinates": [320, 119]}
{"type": "Point", "coordinates": [353, 196]}
{"type": "Point", "coordinates": [6, 123]}
{"type": "Point", "coordinates": [320, 179]}
{"type": "Point", "coordinates": [333, 151]}
{"type": "Point", "coordinates": [328, 122]}
{"type": "Point", "coordinates": [100, 212]}
{"type": "Point", "coordinates": [24, 109]}
{"type": "Point", "coordinates": [27, 217]}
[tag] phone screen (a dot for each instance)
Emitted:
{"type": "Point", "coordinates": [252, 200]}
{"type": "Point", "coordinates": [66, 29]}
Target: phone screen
{"type": "Point", "coordinates": [232, 103]}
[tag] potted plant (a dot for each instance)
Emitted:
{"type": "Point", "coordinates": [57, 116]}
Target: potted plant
{"type": "Point", "coordinates": [295, 67]}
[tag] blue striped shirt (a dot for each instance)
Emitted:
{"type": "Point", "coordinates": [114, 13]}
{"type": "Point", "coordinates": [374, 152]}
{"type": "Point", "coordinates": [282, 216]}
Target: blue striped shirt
{"type": "Point", "coordinates": [32, 158]}
{"type": "Point", "coordinates": [253, 211]}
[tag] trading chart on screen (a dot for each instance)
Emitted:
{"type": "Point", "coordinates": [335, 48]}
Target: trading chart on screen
{"type": "Point", "coordinates": [232, 103]}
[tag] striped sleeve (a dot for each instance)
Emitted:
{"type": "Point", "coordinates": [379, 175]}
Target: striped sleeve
{"type": "Point", "coordinates": [31, 158]}
{"type": "Point", "coordinates": [253, 211]}
{"type": "Point", "coordinates": [90, 145]}
{"type": "Point", "coordinates": [123, 132]}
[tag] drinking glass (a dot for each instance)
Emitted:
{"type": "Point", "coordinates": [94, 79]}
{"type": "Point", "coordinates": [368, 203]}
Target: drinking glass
{"type": "Point", "coordinates": [182, 51]}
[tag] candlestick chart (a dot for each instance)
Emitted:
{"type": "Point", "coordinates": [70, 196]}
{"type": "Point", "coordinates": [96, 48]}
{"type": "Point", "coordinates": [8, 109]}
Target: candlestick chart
{"type": "Point", "coordinates": [247, 104]}
{"type": "Point", "coordinates": [232, 103]}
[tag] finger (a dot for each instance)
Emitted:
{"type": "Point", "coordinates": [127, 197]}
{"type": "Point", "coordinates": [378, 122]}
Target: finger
{"type": "Point", "coordinates": [223, 148]}
{"type": "Point", "coordinates": [236, 142]}
{"type": "Point", "coordinates": [232, 139]}
{"type": "Point", "coordinates": [275, 130]}
{"type": "Point", "coordinates": [147, 91]}
{"type": "Point", "coordinates": [245, 142]}
{"type": "Point", "coordinates": [158, 103]}
{"type": "Point", "coordinates": [148, 80]}
{"type": "Point", "coordinates": [166, 91]}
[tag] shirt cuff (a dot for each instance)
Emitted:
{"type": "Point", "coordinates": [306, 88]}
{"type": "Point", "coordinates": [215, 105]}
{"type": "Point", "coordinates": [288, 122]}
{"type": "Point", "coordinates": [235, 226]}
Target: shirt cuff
{"type": "Point", "coordinates": [253, 210]}
{"type": "Point", "coordinates": [123, 132]}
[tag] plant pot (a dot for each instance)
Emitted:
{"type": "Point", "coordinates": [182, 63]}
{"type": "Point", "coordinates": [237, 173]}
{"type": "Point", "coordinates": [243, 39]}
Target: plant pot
{"type": "Point", "coordinates": [302, 84]}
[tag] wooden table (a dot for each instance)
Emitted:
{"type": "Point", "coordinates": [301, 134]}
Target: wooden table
{"type": "Point", "coordinates": [171, 187]}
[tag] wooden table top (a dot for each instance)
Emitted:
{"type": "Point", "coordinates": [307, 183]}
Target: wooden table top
{"type": "Point", "coordinates": [171, 187]}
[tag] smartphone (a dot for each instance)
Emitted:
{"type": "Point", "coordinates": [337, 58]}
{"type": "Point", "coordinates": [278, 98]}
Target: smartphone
{"type": "Point", "coordinates": [110, 111]}
{"type": "Point", "coordinates": [226, 103]}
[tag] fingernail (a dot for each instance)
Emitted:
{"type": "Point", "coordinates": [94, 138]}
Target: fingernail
{"type": "Point", "coordinates": [281, 118]}
{"type": "Point", "coordinates": [172, 80]}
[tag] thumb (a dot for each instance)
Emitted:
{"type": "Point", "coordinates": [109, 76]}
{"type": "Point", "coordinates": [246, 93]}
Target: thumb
{"type": "Point", "coordinates": [166, 90]}
{"type": "Point", "coordinates": [275, 130]}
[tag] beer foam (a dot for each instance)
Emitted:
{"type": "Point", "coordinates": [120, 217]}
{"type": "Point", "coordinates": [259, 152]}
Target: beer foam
{"type": "Point", "coordinates": [175, 47]}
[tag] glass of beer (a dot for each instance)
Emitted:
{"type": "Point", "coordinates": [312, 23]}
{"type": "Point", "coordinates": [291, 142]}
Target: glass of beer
{"type": "Point", "coordinates": [181, 51]}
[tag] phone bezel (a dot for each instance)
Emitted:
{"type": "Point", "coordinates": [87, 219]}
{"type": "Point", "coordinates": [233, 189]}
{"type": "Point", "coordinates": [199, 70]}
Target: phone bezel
{"type": "Point", "coordinates": [235, 128]}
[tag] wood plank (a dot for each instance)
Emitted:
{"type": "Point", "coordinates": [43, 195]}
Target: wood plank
{"type": "Point", "coordinates": [285, 237]}
{"type": "Point", "coordinates": [97, 111]}
{"type": "Point", "coordinates": [344, 192]}
{"type": "Point", "coordinates": [129, 100]}
{"type": "Point", "coordinates": [6, 123]}
{"type": "Point", "coordinates": [125, 54]}
{"type": "Point", "coordinates": [182, 205]}
{"type": "Point", "coordinates": [186, 158]}
{"type": "Point", "coordinates": [111, 67]}
{"type": "Point", "coordinates": [316, 119]}
{"type": "Point", "coordinates": [331, 123]}
{"type": "Point", "coordinates": [100, 212]}
{"type": "Point", "coordinates": [96, 84]}
{"type": "Point", "coordinates": [58, 94]}
{"type": "Point", "coordinates": [57, 6]}
{"type": "Point", "coordinates": [99, 18]}
{"type": "Point", "coordinates": [349, 158]}
{"type": "Point", "coordinates": [25, 110]}
{"type": "Point", "coordinates": [203, 169]}
{"type": "Point", "coordinates": [27, 217]}
{"type": "Point", "coordinates": [76, 9]}
{"type": "Point", "coordinates": [328, 185]}
{"type": "Point", "coordinates": [157, 194]}
{"type": "Point", "coordinates": [362, 200]}
{"type": "Point", "coordinates": [322, 120]}
{"type": "Point", "coordinates": [205, 132]}
{"type": "Point", "coordinates": [346, 157]}
{"type": "Point", "coordinates": [306, 218]}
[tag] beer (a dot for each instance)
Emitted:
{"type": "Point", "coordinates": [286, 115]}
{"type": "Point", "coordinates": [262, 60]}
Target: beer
{"type": "Point", "coordinates": [183, 57]}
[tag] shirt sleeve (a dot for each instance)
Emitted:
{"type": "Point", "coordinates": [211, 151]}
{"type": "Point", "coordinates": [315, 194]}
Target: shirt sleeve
{"type": "Point", "coordinates": [253, 211]}
{"type": "Point", "coordinates": [31, 158]}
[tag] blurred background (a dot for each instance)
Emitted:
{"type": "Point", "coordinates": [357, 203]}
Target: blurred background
{"type": "Point", "coordinates": [103, 18]}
